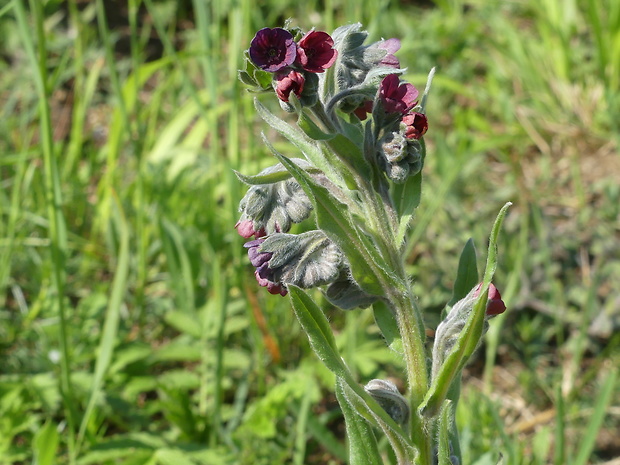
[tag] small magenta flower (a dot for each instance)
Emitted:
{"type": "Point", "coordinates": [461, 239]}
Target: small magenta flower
{"type": "Point", "coordinates": [495, 304]}
{"type": "Point", "coordinates": [315, 52]}
{"type": "Point", "coordinates": [289, 82]}
{"type": "Point", "coordinates": [416, 123]}
{"type": "Point", "coordinates": [264, 274]}
{"type": "Point", "coordinates": [397, 97]}
{"type": "Point", "coordinates": [391, 46]}
{"type": "Point", "coordinates": [273, 49]}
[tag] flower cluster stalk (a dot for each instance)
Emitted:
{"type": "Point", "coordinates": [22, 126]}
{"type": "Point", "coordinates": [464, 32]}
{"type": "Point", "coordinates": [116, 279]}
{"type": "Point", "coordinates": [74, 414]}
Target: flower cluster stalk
{"type": "Point", "coordinates": [358, 174]}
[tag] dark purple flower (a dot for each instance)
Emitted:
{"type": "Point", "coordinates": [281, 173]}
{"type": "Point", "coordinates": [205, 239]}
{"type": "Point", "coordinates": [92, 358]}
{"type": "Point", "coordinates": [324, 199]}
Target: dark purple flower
{"type": "Point", "coordinates": [397, 97]}
{"type": "Point", "coordinates": [273, 49]}
{"type": "Point", "coordinates": [495, 304]}
{"type": "Point", "coordinates": [315, 52]}
{"type": "Point", "coordinates": [391, 46]}
{"type": "Point", "coordinates": [245, 228]}
{"type": "Point", "coordinates": [264, 274]}
{"type": "Point", "coordinates": [289, 82]}
{"type": "Point", "coordinates": [416, 123]}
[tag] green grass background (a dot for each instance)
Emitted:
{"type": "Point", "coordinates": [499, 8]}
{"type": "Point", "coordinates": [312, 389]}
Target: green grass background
{"type": "Point", "coordinates": [131, 327]}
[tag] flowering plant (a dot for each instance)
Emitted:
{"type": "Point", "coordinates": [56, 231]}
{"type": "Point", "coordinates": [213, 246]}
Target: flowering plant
{"type": "Point", "coordinates": [360, 131]}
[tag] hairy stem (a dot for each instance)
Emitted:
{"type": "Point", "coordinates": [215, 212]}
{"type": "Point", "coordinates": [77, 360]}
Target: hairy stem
{"type": "Point", "coordinates": [413, 335]}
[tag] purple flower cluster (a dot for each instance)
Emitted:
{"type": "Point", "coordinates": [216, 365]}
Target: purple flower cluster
{"type": "Point", "coordinates": [400, 98]}
{"type": "Point", "coordinates": [274, 50]}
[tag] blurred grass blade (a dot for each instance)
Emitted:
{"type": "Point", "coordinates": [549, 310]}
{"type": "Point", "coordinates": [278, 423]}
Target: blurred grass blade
{"type": "Point", "coordinates": [112, 317]}
{"type": "Point", "coordinates": [363, 448]}
{"type": "Point", "coordinates": [604, 399]}
{"type": "Point", "coordinates": [559, 457]}
{"type": "Point", "coordinates": [299, 454]}
{"type": "Point", "coordinates": [179, 265]}
{"type": "Point", "coordinates": [53, 198]}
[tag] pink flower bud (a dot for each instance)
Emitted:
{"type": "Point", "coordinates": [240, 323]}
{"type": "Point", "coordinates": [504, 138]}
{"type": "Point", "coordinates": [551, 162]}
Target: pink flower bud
{"type": "Point", "coordinates": [289, 82]}
{"type": "Point", "coordinates": [495, 304]}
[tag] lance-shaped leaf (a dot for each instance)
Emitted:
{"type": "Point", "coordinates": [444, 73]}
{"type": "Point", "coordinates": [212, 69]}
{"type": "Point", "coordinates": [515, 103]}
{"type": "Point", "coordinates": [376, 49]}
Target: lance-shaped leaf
{"type": "Point", "coordinates": [470, 335]}
{"type": "Point", "coordinates": [406, 197]}
{"type": "Point", "coordinates": [275, 173]}
{"type": "Point", "coordinates": [367, 266]}
{"type": "Point", "coordinates": [467, 273]}
{"type": "Point", "coordinates": [315, 325]}
{"type": "Point", "coordinates": [363, 448]}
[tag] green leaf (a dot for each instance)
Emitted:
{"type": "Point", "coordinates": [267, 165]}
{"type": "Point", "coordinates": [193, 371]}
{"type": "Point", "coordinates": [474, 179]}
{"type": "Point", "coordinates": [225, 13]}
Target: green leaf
{"type": "Point", "coordinates": [467, 273]}
{"type": "Point", "coordinates": [406, 197]}
{"type": "Point", "coordinates": [253, 76]}
{"type": "Point", "coordinates": [317, 328]}
{"type": "Point", "coordinates": [363, 448]}
{"type": "Point", "coordinates": [275, 173]}
{"type": "Point", "coordinates": [389, 327]}
{"type": "Point", "coordinates": [45, 444]}
{"type": "Point", "coordinates": [470, 335]}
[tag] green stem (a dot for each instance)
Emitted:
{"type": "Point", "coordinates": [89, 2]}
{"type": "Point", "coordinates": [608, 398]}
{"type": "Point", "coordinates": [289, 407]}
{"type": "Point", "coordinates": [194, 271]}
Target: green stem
{"type": "Point", "coordinates": [413, 336]}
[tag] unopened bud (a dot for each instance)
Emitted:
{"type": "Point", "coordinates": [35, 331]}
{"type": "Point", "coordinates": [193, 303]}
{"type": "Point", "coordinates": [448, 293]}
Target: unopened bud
{"type": "Point", "coordinates": [305, 260]}
{"type": "Point", "coordinates": [390, 399]}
